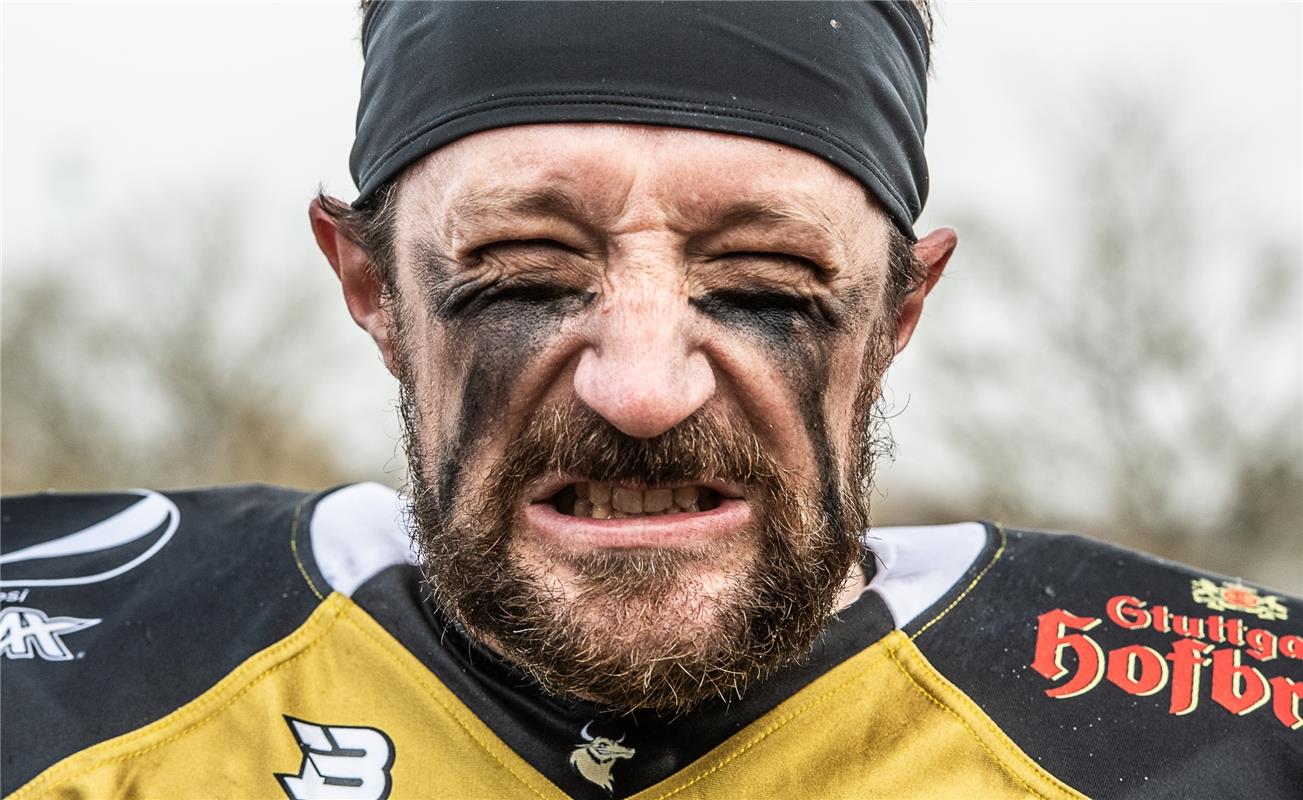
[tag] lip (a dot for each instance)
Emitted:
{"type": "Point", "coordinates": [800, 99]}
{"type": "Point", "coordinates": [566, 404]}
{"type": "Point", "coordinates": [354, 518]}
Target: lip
{"type": "Point", "coordinates": [544, 489]}
{"type": "Point", "coordinates": [684, 529]}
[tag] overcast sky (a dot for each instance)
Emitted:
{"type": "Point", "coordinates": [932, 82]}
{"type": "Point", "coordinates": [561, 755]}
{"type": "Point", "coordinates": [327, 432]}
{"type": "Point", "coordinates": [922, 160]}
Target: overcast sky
{"type": "Point", "coordinates": [105, 101]}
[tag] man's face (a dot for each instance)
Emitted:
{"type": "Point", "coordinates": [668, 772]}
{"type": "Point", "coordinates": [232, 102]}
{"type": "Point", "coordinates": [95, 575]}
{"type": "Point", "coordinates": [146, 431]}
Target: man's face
{"type": "Point", "coordinates": [637, 367]}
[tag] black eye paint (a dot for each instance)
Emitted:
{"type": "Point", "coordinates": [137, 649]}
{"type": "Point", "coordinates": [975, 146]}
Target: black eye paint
{"type": "Point", "coordinates": [800, 334]}
{"type": "Point", "coordinates": [807, 370]}
{"type": "Point", "coordinates": [495, 327]}
{"type": "Point", "coordinates": [499, 331]}
{"type": "Point", "coordinates": [773, 315]}
{"type": "Point", "coordinates": [475, 298]}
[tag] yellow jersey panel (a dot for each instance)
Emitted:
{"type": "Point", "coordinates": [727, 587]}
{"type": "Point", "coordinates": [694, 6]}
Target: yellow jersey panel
{"type": "Point", "coordinates": [883, 724]}
{"type": "Point", "coordinates": [336, 709]}
{"type": "Point", "coordinates": [341, 709]}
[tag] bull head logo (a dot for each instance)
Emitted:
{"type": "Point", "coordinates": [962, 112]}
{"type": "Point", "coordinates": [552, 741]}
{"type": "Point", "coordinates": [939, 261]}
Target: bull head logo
{"type": "Point", "coordinates": [594, 758]}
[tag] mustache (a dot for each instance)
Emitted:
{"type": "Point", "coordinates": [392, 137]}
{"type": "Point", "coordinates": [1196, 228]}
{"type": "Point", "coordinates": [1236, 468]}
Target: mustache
{"type": "Point", "coordinates": [572, 439]}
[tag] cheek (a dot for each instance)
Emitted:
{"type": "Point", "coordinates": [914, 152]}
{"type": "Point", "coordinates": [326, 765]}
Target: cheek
{"type": "Point", "coordinates": [802, 383]}
{"type": "Point", "coordinates": [482, 375]}
{"type": "Point", "coordinates": [777, 372]}
{"type": "Point", "coordinates": [854, 369]}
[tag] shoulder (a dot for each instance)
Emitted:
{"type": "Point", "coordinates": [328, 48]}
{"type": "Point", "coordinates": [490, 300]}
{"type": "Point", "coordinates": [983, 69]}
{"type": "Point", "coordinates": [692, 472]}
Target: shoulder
{"type": "Point", "coordinates": [919, 566]}
{"type": "Point", "coordinates": [118, 608]}
{"type": "Point", "coordinates": [66, 539]}
{"type": "Point", "coordinates": [354, 534]}
{"type": "Point", "coordinates": [1115, 669]}
{"type": "Point", "coordinates": [1046, 571]}
{"type": "Point", "coordinates": [138, 539]}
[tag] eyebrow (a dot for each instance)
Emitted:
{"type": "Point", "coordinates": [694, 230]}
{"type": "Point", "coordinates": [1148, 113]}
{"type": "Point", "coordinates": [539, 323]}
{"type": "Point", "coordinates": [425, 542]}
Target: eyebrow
{"type": "Point", "coordinates": [753, 212]}
{"type": "Point", "coordinates": [821, 239]}
{"type": "Point", "coordinates": [550, 201]}
{"type": "Point", "coordinates": [534, 202]}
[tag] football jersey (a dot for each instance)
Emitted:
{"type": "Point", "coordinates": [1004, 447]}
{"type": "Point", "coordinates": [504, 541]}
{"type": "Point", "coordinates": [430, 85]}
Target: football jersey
{"type": "Point", "coordinates": [249, 642]}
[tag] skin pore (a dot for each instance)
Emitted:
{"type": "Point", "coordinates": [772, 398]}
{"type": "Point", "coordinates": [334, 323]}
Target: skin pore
{"type": "Point", "coordinates": [644, 308]}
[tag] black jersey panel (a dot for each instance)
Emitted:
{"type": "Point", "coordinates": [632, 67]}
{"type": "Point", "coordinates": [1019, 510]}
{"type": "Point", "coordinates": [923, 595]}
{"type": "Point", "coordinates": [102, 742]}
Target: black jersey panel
{"type": "Point", "coordinates": [1128, 676]}
{"type": "Point", "coordinates": [544, 730]}
{"type": "Point", "coordinates": [991, 552]}
{"type": "Point", "coordinates": [120, 608]}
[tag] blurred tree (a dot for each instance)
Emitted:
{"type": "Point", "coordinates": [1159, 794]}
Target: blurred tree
{"type": "Point", "coordinates": [165, 352]}
{"type": "Point", "coordinates": [1143, 383]}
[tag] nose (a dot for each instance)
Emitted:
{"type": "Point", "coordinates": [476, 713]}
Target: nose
{"type": "Point", "coordinates": [643, 371]}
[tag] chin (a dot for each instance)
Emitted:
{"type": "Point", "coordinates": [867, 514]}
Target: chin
{"type": "Point", "coordinates": [648, 595]}
{"type": "Point", "coordinates": [658, 628]}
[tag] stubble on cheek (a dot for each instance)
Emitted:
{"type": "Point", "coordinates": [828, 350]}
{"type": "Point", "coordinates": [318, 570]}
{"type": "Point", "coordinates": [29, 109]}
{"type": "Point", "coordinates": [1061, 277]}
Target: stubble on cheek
{"type": "Point", "coordinates": [822, 362]}
{"type": "Point", "coordinates": [475, 356]}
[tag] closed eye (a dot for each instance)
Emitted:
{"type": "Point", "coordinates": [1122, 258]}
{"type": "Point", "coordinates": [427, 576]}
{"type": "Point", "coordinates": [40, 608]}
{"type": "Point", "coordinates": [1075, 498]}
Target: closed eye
{"type": "Point", "coordinates": [531, 292]}
{"type": "Point", "coordinates": [758, 301]}
{"type": "Point", "coordinates": [507, 245]}
{"type": "Point", "coordinates": [768, 307]}
{"type": "Point", "coordinates": [538, 266]}
{"type": "Point", "coordinates": [472, 299]}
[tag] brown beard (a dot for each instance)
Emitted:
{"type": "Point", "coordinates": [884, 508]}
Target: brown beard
{"type": "Point", "coordinates": [637, 628]}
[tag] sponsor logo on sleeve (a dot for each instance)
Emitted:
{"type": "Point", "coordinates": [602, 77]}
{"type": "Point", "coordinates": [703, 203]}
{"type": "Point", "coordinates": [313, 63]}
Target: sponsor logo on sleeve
{"type": "Point", "coordinates": [153, 519]}
{"type": "Point", "coordinates": [114, 546]}
{"type": "Point", "coordinates": [340, 762]}
{"type": "Point", "coordinates": [28, 632]}
{"type": "Point", "coordinates": [1221, 656]}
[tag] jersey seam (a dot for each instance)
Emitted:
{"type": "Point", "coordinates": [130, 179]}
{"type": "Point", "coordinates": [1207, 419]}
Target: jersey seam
{"type": "Point", "coordinates": [778, 723]}
{"type": "Point", "coordinates": [421, 679]}
{"type": "Point", "coordinates": [999, 551]}
{"type": "Point", "coordinates": [294, 546]}
{"type": "Point", "coordinates": [939, 704]}
{"type": "Point", "coordinates": [201, 702]}
{"type": "Point", "coordinates": [991, 724]}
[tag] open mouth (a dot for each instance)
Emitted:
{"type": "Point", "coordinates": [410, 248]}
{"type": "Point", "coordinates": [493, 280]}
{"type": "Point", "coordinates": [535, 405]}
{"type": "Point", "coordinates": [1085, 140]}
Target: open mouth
{"type": "Point", "coordinates": [581, 515]}
{"type": "Point", "coordinates": [594, 500]}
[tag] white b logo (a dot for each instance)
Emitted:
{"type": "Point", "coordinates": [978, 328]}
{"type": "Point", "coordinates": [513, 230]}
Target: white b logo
{"type": "Point", "coordinates": [340, 762]}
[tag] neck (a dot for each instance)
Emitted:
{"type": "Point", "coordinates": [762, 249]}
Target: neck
{"type": "Point", "coordinates": [853, 587]}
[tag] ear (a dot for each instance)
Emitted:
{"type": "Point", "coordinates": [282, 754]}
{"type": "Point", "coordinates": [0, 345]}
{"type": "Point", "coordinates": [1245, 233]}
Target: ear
{"type": "Point", "coordinates": [934, 250]}
{"type": "Point", "coordinates": [363, 291]}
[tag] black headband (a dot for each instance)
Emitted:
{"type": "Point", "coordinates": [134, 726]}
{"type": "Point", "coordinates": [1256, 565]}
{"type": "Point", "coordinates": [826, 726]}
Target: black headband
{"type": "Point", "coordinates": [844, 81]}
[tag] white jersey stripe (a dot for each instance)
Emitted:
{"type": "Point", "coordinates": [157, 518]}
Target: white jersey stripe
{"type": "Point", "coordinates": [356, 532]}
{"type": "Point", "coordinates": [918, 565]}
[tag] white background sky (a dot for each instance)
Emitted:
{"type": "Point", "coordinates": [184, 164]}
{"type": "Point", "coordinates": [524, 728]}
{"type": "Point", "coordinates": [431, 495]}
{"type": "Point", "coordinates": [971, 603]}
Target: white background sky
{"type": "Point", "coordinates": [106, 103]}
{"type": "Point", "coordinates": [108, 100]}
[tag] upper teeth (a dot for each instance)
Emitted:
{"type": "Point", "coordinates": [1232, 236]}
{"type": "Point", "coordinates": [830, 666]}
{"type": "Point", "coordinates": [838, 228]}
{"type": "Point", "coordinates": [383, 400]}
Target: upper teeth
{"type": "Point", "coordinates": [602, 501]}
